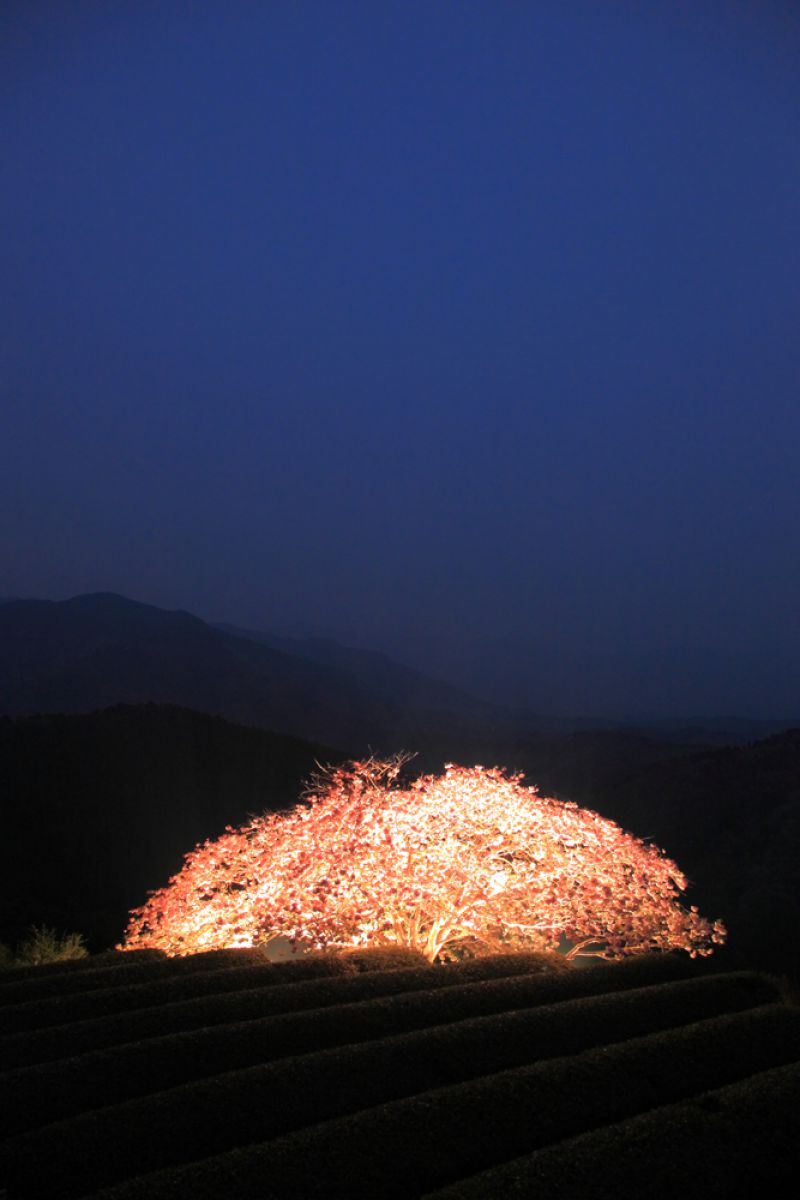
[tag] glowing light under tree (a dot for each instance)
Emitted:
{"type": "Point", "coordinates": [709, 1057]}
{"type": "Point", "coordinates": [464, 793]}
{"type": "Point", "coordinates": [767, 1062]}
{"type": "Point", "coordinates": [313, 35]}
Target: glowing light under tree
{"type": "Point", "coordinates": [471, 861]}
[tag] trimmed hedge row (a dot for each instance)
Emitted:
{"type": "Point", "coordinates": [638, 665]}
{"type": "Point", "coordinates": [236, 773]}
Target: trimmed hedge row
{"type": "Point", "coordinates": [176, 979]}
{"type": "Point", "coordinates": [743, 1139]}
{"type": "Point", "coordinates": [408, 1146]}
{"type": "Point", "coordinates": [304, 966]}
{"type": "Point", "coordinates": [94, 962]}
{"type": "Point", "coordinates": [142, 966]}
{"type": "Point", "coordinates": [566, 1094]}
{"type": "Point", "coordinates": [61, 1041]}
{"type": "Point", "coordinates": [92, 974]}
{"type": "Point", "coordinates": [113, 1024]}
{"type": "Point", "coordinates": [33, 1096]}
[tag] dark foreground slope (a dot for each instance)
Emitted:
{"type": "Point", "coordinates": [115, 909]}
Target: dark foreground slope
{"type": "Point", "coordinates": [380, 1076]}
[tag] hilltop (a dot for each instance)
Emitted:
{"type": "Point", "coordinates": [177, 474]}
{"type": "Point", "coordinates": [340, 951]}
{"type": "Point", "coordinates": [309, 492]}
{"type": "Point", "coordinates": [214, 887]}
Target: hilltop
{"type": "Point", "coordinates": [96, 650]}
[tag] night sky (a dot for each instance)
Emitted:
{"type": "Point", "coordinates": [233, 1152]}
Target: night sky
{"type": "Point", "coordinates": [464, 330]}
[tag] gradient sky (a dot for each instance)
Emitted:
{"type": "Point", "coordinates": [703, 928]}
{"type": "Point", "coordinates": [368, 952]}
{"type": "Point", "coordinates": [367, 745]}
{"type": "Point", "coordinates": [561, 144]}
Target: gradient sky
{"type": "Point", "coordinates": [464, 330]}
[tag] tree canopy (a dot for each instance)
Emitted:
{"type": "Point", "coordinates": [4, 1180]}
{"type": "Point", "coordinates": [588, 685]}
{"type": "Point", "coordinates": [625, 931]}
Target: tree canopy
{"type": "Point", "coordinates": [467, 862]}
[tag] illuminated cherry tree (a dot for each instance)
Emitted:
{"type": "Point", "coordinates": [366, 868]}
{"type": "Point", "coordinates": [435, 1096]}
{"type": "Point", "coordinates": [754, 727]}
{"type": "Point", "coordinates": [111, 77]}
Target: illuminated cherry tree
{"type": "Point", "coordinates": [468, 862]}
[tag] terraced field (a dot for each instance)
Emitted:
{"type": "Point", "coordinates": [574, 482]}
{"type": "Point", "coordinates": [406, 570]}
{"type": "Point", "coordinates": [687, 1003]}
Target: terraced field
{"type": "Point", "coordinates": [371, 1075]}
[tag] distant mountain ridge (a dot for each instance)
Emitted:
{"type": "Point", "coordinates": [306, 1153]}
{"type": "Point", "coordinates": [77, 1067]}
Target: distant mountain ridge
{"type": "Point", "coordinates": [374, 670]}
{"type": "Point", "coordinates": [101, 649]}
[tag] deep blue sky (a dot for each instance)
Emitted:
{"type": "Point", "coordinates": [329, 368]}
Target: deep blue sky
{"type": "Point", "coordinates": [465, 330]}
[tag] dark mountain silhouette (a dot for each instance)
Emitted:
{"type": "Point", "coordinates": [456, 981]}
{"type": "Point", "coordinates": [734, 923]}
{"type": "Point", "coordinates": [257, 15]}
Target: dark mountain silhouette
{"type": "Point", "coordinates": [99, 808]}
{"type": "Point", "coordinates": [715, 731]}
{"type": "Point", "coordinates": [96, 650]}
{"type": "Point", "coordinates": [731, 820]}
{"type": "Point", "coordinates": [729, 817]}
{"type": "Point", "coordinates": [589, 764]}
{"type": "Point", "coordinates": [597, 744]}
{"type": "Point", "coordinates": [647, 741]}
{"type": "Point", "coordinates": [383, 676]}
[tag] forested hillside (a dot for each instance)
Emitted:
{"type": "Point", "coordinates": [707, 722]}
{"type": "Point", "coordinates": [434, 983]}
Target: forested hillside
{"type": "Point", "coordinates": [99, 808]}
{"type": "Point", "coordinates": [731, 819]}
